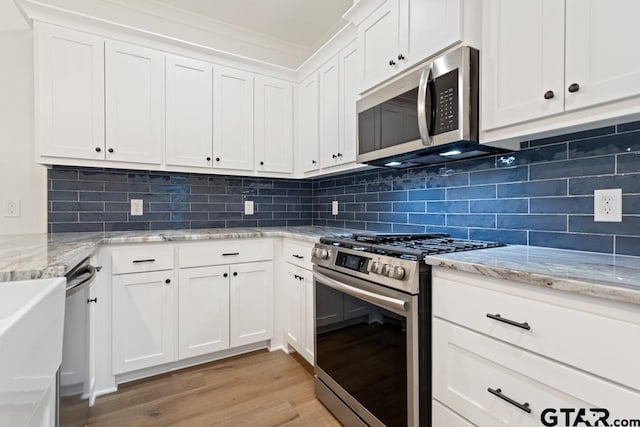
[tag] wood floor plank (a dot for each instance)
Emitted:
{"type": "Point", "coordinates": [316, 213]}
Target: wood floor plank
{"type": "Point", "coordinates": [255, 389]}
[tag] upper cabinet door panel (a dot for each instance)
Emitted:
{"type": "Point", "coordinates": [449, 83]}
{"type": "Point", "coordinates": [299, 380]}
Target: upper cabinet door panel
{"type": "Point", "coordinates": [378, 36]}
{"type": "Point", "coordinates": [349, 72]}
{"type": "Point", "coordinates": [134, 100]}
{"type": "Point", "coordinates": [523, 59]}
{"type": "Point", "coordinates": [309, 132]}
{"type": "Point", "coordinates": [233, 119]}
{"type": "Point", "coordinates": [274, 125]}
{"type": "Point", "coordinates": [189, 115]}
{"type": "Point", "coordinates": [69, 93]}
{"type": "Point", "coordinates": [432, 26]}
{"type": "Point", "coordinates": [600, 51]}
{"type": "Point", "coordinates": [330, 113]}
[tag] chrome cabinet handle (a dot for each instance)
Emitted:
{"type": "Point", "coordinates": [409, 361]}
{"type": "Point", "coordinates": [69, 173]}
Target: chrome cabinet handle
{"type": "Point", "coordinates": [297, 256]}
{"type": "Point", "coordinates": [381, 300]}
{"type": "Point", "coordinates": [498, 392]}
{"type": "Point", "coordinates": [499, 318]}
{"type": "Point", "coordinates": [231, 253]}
{"type": "Point", "coordinates": [140, 261]}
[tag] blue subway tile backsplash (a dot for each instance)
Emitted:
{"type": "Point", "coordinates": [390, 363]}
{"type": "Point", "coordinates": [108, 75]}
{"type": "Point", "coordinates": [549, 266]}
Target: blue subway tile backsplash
{"type": "Point", "coordinates": [541, 196]}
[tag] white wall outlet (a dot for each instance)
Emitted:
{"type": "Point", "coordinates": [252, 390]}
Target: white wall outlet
{"type": "Point", "coordinates": [607, 205]}
{"type": "Point", "coordinates": [12, 208]}
{"type": "Point", "coordinates": [136, 207]}
{"type": "Point", "coordinates": [334, 207]}
{"type": "Point", "coordinates": [248, 207]}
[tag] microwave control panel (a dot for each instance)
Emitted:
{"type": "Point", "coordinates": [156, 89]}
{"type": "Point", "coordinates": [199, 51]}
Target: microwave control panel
{"type": "Point", "coordinates": [445, 97]}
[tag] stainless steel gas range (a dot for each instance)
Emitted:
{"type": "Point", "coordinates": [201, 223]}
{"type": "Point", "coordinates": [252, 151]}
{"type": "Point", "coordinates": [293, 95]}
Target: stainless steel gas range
{"type": "Point", "coordinates": [373, 324]}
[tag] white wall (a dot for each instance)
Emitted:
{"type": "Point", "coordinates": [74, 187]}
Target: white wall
{"type": "Point", "coordinates": [20, 177]}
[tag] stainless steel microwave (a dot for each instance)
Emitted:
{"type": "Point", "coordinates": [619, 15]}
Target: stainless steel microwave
{"type": "Point", "coordinates": [428, 116]}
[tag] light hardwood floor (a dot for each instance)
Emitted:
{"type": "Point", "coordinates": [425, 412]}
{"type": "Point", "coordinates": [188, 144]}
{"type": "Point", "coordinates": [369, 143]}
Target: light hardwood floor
{"type": "Point", "coordinates": [255, 389]}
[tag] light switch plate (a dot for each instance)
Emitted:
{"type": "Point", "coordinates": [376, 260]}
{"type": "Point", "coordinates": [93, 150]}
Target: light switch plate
{"type": "Point", "coordinates": [12, 208]}
{"type": "Point", "coordinates": [136, 207]}
{"type": "Point", "coordinates": [607, 205]}
{"type": "Point", "coordinates": [334, 207]}
{"type": "Point", "coordinates": [248, 207]}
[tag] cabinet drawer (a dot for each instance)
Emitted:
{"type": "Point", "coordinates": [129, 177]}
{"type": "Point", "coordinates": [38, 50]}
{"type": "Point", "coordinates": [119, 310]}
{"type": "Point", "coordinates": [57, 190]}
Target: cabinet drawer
{"type": "Point", "coordinates": [141, 259]}
{"type": "Point", "coordinates": [441, 416]}
{"type": "Point", "coordinates": [602, 345]}
{"type": "Point", "coordinates": [298, 253]}
{"type": "Point", "coordinates": [202, 254]}
{"type": "Point", "coordinates": [468, 364]}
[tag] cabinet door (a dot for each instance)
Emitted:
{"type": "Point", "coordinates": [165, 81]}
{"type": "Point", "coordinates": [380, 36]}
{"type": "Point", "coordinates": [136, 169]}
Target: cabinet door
{"type": "Point", "coordinates": [233, 119]}
{"type": "Point", "coordinates": [600, 52]}
{"type": "Point", "coordinates": [349, 78]}
{"type": "Point", "coordinates": [69, 93]}
{"type": "Point", "coordinates": [274, 125]}
{"type": "Point", "coordinates": [309, 124]}
{"type": "Point", "coordinates": [203, 315]}
{"type": "Point", "coordinates": [309, 330]}
{"type": "Point", "coordinates": [189, 107]}
{"type": "Point", "coordinates": [134, 90]}
{"type": "Point", "coordinates": [523, 59]}
{"type": "Point", "coordinates": [378, 36]}
{"type": "Point", "coordinates": [330, 113]}
{"type": "Point", "coordinates": [428, 27]}
{"type": "Point", "coordinates": [143, 320]}
{"type": "Point", "coordinates": [295, 308]}
{"type": "Point", "coordinates": [251, 302]}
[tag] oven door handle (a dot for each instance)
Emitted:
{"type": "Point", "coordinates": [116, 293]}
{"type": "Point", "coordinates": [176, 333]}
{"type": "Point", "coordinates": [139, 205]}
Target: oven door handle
{"type": "Point", "coordinates": [373, 298]}
{"type": "Point", "coordinates": [423, 124]}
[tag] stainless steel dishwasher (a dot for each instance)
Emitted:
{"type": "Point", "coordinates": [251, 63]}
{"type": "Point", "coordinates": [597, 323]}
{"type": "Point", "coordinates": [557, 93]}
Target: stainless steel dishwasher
{"type": "Point", "coordinates": [75, 378]}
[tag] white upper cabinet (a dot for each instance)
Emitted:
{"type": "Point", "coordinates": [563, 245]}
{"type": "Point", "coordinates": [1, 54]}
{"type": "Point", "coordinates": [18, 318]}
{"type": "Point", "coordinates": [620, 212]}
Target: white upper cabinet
{"type": "Point", "coordinates": [602, 62]}
{"type": "Point", "coordinates": [523, 61]}
{"type": "Point", "coordinates": [233, 103]}
{"type": "Point", "coordinates": [134, 90]}
{"type": "Point", "coordinates": [69, 93]}
{"type": "Point", "coordinates": [402, 33]}
{"type": "Point", "coordinates": [189, 112]}
{"type": "Point", "coordinates": [273, 125]}
{"type": "Point", "coordinates": [349, 72]}
{"type": "Point", "coordinates": [379, 39]}
{"type": "Point", "coordinates": [330, 113]}
{"type": "Point", "coordinates": [308, 122]}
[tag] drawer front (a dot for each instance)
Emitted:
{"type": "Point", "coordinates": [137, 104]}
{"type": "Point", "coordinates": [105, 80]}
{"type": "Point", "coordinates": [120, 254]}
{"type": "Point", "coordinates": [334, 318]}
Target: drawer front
{"type": "Point", "coordinates": [441, 416]}
{"type": "Point", "coordinates": [468, 364]}
{"type": "Point", "coordinates": [584, 340]}
{"type": "Point", "coordinates": [141, 259]}
{"type": "Point", "coordinates": [298, 253]}
{"type": "Point", "coordinates": [202, 254]}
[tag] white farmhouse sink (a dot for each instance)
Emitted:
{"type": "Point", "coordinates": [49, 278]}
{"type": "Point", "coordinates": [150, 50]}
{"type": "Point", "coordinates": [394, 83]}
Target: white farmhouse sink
{"type": "Point", "coordinates": [31, 324]}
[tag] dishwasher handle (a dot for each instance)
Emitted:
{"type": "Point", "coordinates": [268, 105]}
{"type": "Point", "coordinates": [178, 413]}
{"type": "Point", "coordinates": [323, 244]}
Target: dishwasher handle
{"type": "Point", "coordinates": [80, 277]}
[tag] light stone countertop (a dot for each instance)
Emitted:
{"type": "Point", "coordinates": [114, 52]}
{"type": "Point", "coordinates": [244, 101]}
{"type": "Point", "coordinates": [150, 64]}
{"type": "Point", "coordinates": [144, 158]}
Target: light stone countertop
{"type": "Point", "coordinates": [614, 277]}
{"type": "Point", "coordinates": [34, 256]}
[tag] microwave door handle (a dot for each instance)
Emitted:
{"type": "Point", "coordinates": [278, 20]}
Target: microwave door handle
{"type": "Point", "coordinates": [423, 124]}
{"type": "Point", "coordinates": [380, 300]}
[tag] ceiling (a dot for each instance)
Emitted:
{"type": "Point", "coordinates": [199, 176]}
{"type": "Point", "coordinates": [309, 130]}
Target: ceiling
{"type": "Point", "coordinates": [10, 17]}
{"type": "Point", "coordinates": [307, 23]}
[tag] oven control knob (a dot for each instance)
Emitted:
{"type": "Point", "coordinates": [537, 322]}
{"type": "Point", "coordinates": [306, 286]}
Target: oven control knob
{"type": "Point", "coordinates": [373, 266]}
{"type": "Point", "coordinates": [320, 253]}
{"type": "Point", "coordinates": [383, 269]}
{"type": "Point", "coordinates": [396, 272]}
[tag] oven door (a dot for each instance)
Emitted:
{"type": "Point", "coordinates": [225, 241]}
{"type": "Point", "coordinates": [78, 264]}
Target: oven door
{"type": "Point", "coordinates": [367, 347]}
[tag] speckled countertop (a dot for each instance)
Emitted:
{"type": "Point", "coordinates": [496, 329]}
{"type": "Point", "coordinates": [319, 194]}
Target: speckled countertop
{"type": "Point", "coordinates": [33, 256]}
{"type": "Point", "coordinates": [600, 275]}
{"type": "Point", "coordinates": [614, 277]}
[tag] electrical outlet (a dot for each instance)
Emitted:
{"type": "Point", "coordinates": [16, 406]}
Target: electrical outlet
{"type": "Point", "coordinates": [607, 205]}
{"type": "Point", "coordinates": [136, 207]}
{"type": "Point", "coordinates": [12, 208]}
{"type": "Point", "coordinates": [334, 207]}
{"type": "Point", "coordinates": [248, 207]}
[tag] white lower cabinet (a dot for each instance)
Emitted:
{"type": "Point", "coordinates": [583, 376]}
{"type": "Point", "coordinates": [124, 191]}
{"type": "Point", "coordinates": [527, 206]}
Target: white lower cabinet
{"type": "Point", "coordinates": [251, 302]}
{"type": "Point", "coordinates": [203, 320]}
{"type": "Point", "coordinates": [143, 309]}
{"type": "Point", "coordinates": [300, 312]}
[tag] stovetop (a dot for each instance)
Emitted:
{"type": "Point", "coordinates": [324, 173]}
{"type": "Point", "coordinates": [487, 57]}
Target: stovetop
{"type": "Point", "coordinates": [406, 246]}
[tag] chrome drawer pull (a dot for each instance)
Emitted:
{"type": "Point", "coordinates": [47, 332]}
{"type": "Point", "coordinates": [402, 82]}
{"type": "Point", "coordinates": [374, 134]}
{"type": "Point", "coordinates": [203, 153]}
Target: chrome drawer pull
{"type": "Point", "coordinates": [139, 261]}
{"type": "Point", "coordinates": [297, 256]}
{"type": "Point", "coordinates": [498, 392]}
{"type": "Point", "coordinates": [499, 318]}
{"type": "Point", "coordinates": [231, 254]}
